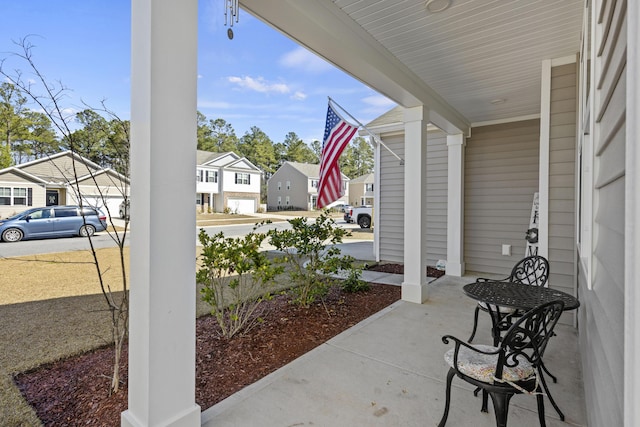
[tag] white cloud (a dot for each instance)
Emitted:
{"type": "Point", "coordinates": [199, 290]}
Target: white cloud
{"type": "Point", "coordinates": [259, 84]}
{"type": "Point", "coordinates": [302, 59]}
{"type": "Point", "coordinates": [299, 96]}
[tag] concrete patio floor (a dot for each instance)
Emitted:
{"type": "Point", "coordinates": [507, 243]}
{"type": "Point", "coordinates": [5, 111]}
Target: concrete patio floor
{"type": "Point", "coordinates": [389, 371]}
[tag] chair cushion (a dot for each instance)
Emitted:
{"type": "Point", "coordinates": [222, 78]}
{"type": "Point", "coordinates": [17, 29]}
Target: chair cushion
{"type": "Point", "coordinates": [482, 367]}
{"type": "Point", "coordinates": [504, 310]}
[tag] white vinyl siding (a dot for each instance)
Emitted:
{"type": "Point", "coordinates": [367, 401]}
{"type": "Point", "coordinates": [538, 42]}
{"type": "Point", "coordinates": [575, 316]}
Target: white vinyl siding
{"type": "Point", "coordinates": [501, 177]}
{"type": "Point", "coordinates": [391, 227]}
{"type": "Point", "coordinates": [392, 199]}
{"type": "Point", "coordinates": [601, 316]}
{"type": "Point", "coordinates": [562, 143]}
{"type": "Point", "coordinates": [437, 171]}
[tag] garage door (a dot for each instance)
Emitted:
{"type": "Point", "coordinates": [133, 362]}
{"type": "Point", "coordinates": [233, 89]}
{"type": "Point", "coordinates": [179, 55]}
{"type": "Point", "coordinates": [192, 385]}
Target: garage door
{"type": "Point", "coordinates": [242, 206]}
{"type": "Point", "coordinates": [113, 203]}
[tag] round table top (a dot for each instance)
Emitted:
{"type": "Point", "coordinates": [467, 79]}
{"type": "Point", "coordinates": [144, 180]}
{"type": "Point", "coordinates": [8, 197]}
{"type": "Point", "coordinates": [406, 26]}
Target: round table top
{"type": "Point", "coordinates": [517, 295]}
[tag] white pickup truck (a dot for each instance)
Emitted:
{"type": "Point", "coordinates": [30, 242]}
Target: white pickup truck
{"type": "Point", "coordinates": [362, 215]}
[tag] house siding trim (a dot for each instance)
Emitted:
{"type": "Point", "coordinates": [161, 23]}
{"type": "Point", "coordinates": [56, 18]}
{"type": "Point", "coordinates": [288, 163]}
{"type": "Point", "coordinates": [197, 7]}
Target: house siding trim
{"type": "Point", "coordinates": [609, 368]}
{"type": "Point", "coordinates": [632, 230]}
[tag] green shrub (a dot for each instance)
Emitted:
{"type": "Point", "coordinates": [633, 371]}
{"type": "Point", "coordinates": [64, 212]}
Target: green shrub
{"type": "Point", "coordinates": [309, 259]}
{"type": "Point", "coordinates": [353, 282]}
{"type": "Point", "coordinates": [236, 277]}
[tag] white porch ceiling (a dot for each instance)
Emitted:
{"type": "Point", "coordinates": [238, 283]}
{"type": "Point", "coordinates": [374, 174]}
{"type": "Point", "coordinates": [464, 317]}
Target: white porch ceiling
{"type": "Point", "coordinates": [456, 62]}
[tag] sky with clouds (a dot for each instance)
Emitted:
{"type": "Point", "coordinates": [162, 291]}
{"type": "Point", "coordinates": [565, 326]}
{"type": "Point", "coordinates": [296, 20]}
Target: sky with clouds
{"type": "Point", "coordinates": [260, 78]}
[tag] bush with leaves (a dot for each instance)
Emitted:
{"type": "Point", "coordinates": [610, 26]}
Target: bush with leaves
{"type": "Point", "coordinates": [310, 253]}
{"type": "Point", "coordinates": [236, 277]}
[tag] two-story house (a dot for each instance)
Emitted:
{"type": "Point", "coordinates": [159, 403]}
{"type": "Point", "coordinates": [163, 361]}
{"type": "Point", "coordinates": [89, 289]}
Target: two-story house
{"type": "Point", "coordinates": [361, 190]}
{"type": "Point", "coordinates": [294, 186]}
{"type": "Point", "coordinates": [226, 181]}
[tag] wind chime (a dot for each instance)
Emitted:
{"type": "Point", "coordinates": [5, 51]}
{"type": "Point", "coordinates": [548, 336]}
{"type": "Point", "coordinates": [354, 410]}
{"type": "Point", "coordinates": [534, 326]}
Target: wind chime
{"type": "Point", "coordinates": [231, 14]}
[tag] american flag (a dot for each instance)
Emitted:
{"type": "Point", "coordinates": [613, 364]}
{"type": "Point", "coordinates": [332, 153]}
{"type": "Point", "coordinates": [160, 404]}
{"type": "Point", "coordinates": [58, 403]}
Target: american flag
{"type": "Point", "coordinates": [337, 134]}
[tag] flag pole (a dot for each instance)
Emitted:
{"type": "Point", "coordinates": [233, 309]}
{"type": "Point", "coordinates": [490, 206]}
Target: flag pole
{"type": "Point", "coordinates": [374, 136]}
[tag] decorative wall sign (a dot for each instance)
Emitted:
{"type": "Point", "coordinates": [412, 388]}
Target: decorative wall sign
{"type": "Point", "coordinates": [532, 233]}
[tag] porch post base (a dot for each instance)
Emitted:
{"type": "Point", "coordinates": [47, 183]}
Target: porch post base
{"type": "Point", "coordinates": [455, 269]}
{"type": "Point", "coordinates": [412, 292]}
{"type": "Point", "coordinates": [188, 418]}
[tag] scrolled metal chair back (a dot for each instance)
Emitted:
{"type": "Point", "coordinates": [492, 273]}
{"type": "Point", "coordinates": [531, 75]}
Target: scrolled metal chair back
{"type": "Point", "coordinates": [528, 337]}
{"type": "Point", "coordinates": [532, 270]}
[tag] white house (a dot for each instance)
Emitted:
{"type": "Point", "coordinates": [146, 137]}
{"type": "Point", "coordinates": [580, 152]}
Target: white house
{"type": "Point", "coordinates": [56, 180]}
{"type": "Point", "coordinates": [226, 181]}
{"type": "Point", "coordinates": [523, 97]}
{"type": "Point", "coordinates": [294, 186]}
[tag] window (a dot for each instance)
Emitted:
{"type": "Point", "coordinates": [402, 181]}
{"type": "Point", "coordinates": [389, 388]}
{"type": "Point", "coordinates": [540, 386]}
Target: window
{"type": "Point", "coordinates": [199, 175]}
{"type": "Point", "coordinates": [41, 214]}
{"type": "Point", "coordinates": [20, 196]}
{"type": "Point", "coordinates": [279, 200]}
{"type": "Point", "coordinates": [212, 176]}
{"type": "Point", "coordinates": [287, 200]}
{"type": "Point", "coordinates": [243, 178]}
{"type": "Point", "coordinates": [89, 211]}
{"type": "Point", "coordinates": [5, 195]}
{"type": "Point", "coordinates": [368, 187]}
{"type": "Point", "coordinates": [65, 212]}
{"type": "Point", "coordinates": [15, 196]}
{"type": "Point", "coordinates": [288, 185]}
{"type": "Point", "coordinates": [279, 185]}
{"type": "Point", "coordinates": [314, 183]}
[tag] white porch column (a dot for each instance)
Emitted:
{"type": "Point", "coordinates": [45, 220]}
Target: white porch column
{"type": "Point", "coordinates": [414, 287]}
{"type": "Point", "coordinates": [455, 205]}
{"type": "Point", "coordinates": [163, 138]}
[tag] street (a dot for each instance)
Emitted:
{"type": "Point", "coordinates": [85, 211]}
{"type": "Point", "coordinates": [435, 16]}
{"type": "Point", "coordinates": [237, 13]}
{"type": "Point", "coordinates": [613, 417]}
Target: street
{"type": "Point", "coordinates": [103, 240]}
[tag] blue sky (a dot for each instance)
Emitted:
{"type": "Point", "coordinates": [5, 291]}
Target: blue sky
{"type": "Point", "coordinates": [260, 78]}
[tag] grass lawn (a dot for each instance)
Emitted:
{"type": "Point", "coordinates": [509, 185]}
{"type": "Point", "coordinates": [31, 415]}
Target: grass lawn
{"type": "Point", "coordinates": [51, 308]}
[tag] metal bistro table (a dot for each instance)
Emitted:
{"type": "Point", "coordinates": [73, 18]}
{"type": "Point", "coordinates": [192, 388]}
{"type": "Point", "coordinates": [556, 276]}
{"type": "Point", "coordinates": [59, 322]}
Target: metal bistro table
{"type": "Point", "coordinates": [516, 296]}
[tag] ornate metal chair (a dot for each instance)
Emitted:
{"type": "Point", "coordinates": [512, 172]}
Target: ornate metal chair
{"type": "Point", "coordinates": [532, 270]}
{"type": "Point", "coordinates": [513, 367]}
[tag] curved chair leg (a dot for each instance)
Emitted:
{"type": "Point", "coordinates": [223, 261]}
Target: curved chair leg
{"type": "Point", "coordinates": [553, 402]}
{"type": "Point", "coordinates": [450, 376]}
{"type": "Point", "coordinates": [475, 323]}
{"type": "Point", "coordinates": [501, 407]}
{"type": "Point", "coordinates": [544, 368]}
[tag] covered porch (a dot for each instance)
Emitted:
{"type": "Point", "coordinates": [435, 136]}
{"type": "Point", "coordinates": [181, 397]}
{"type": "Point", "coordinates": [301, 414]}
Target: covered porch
{"type": "Point", "coordinates": [459, 89]}
{"type": "Point", "coordinates": [389, 370]}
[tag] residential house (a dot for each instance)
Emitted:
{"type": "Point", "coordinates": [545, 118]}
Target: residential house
{"type": "Point", "coordinates": [361, 190]}
{"type": "Point", "coordinates": [523, 97]}
{"type": "Point", "coordinates": [226, 181]}
{"type": "Point", "coordinates": [56, 180]}
{"type": "Point", "coordinates": [294, 186]}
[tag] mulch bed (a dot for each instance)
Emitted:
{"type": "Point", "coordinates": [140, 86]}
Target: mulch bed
{"type": "Point", "coordinates": [399, 269]}
{"type": "Point", "coordinates": [74, 392]}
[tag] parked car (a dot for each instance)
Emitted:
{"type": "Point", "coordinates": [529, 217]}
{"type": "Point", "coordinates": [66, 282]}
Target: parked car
{"type": "Point", "coordinates": [52, 221]}
{"type": "Point", "coordinates": [124, 209]}
{"type": "Point", "coordinates": [361, 215]}
{"type": "Point", "coordinates": [338, 205]}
